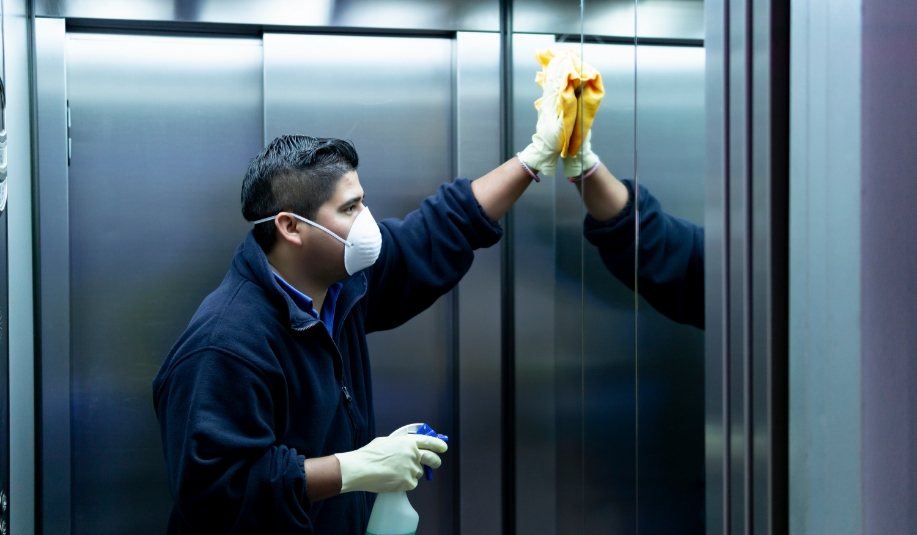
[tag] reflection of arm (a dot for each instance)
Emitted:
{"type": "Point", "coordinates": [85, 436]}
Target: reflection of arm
{"type": "Point", "coordinates": [671, 275]}
{"type": "Point", "coordinates": [425, 255]}
{"type": "Point", "coordinates": [604, 196]}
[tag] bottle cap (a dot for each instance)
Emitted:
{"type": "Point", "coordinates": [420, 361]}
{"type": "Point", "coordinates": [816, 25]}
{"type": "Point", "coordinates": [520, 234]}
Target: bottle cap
{"type": "Point", "coordinates": [428, 431]}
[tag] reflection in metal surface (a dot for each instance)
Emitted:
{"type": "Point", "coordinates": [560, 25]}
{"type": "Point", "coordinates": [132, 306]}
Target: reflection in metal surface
{"type": "Point", "coordinates": [670, 152]}
{"type": "Point", "coordinates": [476, 15]}
{"type": "Point", "coordinates": [671, 163]}
{"type": "Point", "coordinates": [393, 97]}
{"type": "Point", "coordinates": [162, 132]}
{"type": "Point", "coordinates": [575, 365]}
{"type": "Point", "coordinates": [608, 319]}
{"type": "Point", "coordinates": [478, 442]}
{"type": "Point", "coordinates": [536, 407]}
{"type": "Point", "coordinates": [671, 19]}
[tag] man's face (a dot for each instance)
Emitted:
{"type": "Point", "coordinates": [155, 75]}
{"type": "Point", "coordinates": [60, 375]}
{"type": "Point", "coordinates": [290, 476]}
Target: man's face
{"type": "Point", "coordinates": [337, 215]}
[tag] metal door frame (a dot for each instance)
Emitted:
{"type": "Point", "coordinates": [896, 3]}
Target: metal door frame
{"type": "Point", "coordinates": [747, 282]}
{"type": "Point", "coordinates": [52, 284]}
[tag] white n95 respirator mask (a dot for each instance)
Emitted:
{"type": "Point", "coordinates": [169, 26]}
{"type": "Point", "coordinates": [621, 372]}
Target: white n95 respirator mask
{"type": "Point", "coordinates": [363, 243]}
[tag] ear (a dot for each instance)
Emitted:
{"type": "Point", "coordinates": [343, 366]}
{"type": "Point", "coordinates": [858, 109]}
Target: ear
{"type": "Point", "coordinates": [288, 229]}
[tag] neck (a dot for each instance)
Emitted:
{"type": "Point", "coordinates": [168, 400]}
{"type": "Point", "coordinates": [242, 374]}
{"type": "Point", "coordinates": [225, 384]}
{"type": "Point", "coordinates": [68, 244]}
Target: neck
{"type": "Point", "coordinates": [300, 279]}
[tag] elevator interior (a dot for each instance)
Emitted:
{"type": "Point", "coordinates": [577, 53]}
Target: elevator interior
{"type": "Point", "coordinates": [147, 118]}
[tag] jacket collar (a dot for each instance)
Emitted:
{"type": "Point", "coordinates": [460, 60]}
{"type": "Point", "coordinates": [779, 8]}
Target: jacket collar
{"type": "Point", "coordinates": [251, 263]}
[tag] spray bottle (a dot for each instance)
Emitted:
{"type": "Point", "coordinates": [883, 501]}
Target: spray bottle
{"type": "Point", "coordinates": [392, 514]}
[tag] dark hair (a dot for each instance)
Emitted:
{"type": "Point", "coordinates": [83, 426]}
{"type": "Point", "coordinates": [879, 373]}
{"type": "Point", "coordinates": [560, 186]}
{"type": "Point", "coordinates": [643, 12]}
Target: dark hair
{"type": "Point", "coordinates": [293, 174]}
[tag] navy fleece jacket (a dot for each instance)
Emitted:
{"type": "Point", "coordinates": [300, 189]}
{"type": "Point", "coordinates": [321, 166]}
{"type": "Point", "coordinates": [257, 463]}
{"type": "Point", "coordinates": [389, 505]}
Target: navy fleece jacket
{"type": "Point", "coordinates": [255, 385]}
{"type": "Point", "coordinates": [671, 274]}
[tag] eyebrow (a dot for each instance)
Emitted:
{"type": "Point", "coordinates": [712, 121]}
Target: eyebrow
{"type": "Point", "coordinates": [351, 201]}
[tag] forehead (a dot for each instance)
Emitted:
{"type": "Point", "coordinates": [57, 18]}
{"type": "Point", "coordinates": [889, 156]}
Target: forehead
{"type": "Point", "coordinates": [348, 186]}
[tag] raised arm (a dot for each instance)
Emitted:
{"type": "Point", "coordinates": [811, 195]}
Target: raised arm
{"type": "Point", "coordinates": [499, 189]}
{"type": "Point", "coordinates": [426, 254]}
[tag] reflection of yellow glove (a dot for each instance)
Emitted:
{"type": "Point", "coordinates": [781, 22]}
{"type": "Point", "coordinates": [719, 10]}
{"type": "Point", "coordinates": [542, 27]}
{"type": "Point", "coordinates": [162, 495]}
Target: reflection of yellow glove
{"type": "Point", "coordinates": [585, 160]}
{"type": "Point", "coordinates": [556, 114]}
{"type": "Point", "coordinates": [588, 102]}
{"type": "Point", "coordinates": [579, 157]}
{"type": "Point", "coordinates": [389, 464]}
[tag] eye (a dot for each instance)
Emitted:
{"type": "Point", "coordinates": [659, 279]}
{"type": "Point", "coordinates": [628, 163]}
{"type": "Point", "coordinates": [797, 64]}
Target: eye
{"type": "Point", "coordinates": [350, 209]}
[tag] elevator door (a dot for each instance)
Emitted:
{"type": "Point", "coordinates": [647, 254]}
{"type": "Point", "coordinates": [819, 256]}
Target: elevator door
{"type": "Point", "coordinates": [393, 97]}
{"type": "Point", "coordinates": [162, 129]}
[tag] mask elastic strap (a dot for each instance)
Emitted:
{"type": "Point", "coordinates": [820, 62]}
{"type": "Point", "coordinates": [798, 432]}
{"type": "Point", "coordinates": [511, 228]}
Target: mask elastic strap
{"type": "Point", "coordinates": [304, 220]}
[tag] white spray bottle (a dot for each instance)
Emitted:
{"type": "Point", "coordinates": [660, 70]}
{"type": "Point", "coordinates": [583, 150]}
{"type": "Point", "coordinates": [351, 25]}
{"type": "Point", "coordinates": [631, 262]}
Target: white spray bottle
{"type": "Point", "coordinates": [392, 514]}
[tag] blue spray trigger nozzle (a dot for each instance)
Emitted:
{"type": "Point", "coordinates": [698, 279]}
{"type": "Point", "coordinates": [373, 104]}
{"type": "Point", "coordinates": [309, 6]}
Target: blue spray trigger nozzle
{"type": "Point", "coordinates": [426, 430]}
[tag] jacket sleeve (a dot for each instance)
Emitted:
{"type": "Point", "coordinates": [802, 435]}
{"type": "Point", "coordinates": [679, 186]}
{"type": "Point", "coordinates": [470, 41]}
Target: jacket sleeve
{"type": "Point", "coordinates": [671, 272]}
{"type": "Point", "coordinates": [426, 254]}
{"type": "Point", "coordinates": [226, 473]}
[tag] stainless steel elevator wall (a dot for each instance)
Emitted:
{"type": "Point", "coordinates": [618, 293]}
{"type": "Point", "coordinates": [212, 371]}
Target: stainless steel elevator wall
{"type": "Point", "coordinates": [469, 15]}
{"type": "Point", "coordinates": [534, 246]}
{"type": "Point", "coordinates": [609, 345]}
{"type": "Point", "coordinates": [678, 19]}
{"type": "Point", "coordinates": [671, 164]}
{"type": "Point", "coordinates": [582, 350]}
{"type": "Point", "coordinates": [478, 443]}
{"type": "Point", "coordinates": [575, 328]}
{"type": "Point", "coordinates": [162, 130]}
{"type": "Point", "coordinates": [393, 97]}
{"type": "Point", "coordinates": [645, 457]}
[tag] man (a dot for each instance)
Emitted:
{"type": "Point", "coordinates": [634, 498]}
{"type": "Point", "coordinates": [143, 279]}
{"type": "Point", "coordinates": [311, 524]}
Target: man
{"type": "Point", "coordinates": [265, 402]}
{"type": "Point", "coordinates": [671, 256]}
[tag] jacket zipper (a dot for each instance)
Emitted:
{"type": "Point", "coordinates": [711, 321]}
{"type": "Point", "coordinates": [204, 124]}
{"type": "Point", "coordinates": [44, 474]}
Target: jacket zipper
{"type": "Point", "coordinates": [348, 399]}
{"type": "Point", "coordinates": [348, 402]}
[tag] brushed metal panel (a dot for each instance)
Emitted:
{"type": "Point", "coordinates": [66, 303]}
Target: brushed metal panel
{"type": "Point", "coordinates": [671, 164]}
{"type": "Point", "coordinates": [828, 376]}
{"type": "Point", "coordinates": [769, 267]}
{"type": "Point", "coordinates": [738, 249]}
{"type": "Point", "coordinates": [609, 343]}
{"type": "Point", "coordinates": [479, 444]}
{"type": "Point", "coordinates": [674, 19]}
{"type": "Point", "coordinates": [54, 276]}
{"type": "Point", "coordinates": [162, 131]}
{"type": "Point", "coordinates": [473, 15]}
{"type": "Point", "coordinates": [393, 96]}
{"type": "Point", "coordinates": [536, 406]}
{"type": "Point", "coordinates": [716, 321]}
{"type": "Point", "coordinates": [17, 67]}
{"type": "Point", "coordinates": [670, 160]}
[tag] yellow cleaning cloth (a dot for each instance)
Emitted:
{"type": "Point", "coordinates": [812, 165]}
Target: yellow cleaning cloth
{"type": "Point", "coordinates": [581, 93]}
{"type": "Point", "coordinates": [559, 73]}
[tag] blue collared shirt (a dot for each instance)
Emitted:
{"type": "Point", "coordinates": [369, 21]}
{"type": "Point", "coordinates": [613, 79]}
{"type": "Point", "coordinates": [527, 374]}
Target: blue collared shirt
{"type": "Point", "coordinates": [305, 303]}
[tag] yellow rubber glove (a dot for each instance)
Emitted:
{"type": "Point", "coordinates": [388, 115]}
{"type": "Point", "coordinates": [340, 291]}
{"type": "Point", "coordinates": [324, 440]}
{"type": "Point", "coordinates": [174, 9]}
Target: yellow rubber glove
{"type": "Point", "coordinates": [556, 113]}
{"type": "Point", "coordinates": [389, 464]}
